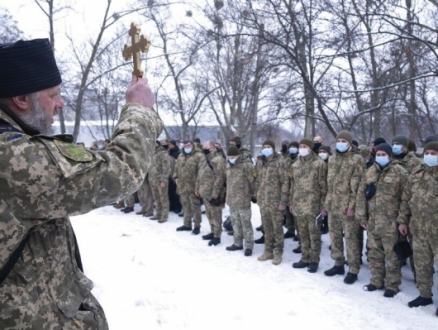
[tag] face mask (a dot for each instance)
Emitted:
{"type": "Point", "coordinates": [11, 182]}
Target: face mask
{"type": "Point", "coordinates": [206, 151]}
{"type": "Point", "coordinates": [304, 152]}
{"type": "Point", "coordinates": [382, 160]}
{"type": "Point", "coordinates": [316, 145]}
{"type": "Point", "coordinates": [323, 155]}
{"type": "Point", "coordinates": [232, 160]}
{"type": "Point", "coordinates": [293, 151]}
{"type": "Point", "coordinates": [165, 146]}
{"type": "Point", "coordinates": [283, 148]}
{"type": "Point", "coordinates": [267, 152]}
{"type": "Point", "coordinates": [187, 150]}
{"type": "Point", "coordinates": [397, 149]}
{"type": "Point", "coordinates": [367, 161]}
{"type": "Point", "coordinates": [342, 146]}
{"type": "Point", "coordinates": [430, 160]}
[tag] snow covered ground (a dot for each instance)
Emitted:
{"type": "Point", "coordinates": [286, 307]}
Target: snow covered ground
{"type": "Point", "coordinates": [148, 276]}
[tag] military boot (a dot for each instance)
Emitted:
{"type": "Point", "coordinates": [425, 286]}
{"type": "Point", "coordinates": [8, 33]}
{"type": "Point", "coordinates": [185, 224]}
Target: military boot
{"type": "Point", "coordinates": [214, 241]}
{"type": "Point", "coordinates": [208, 236]}
{"type": "Point", "coordinates": [266, 256]}
{"type": "Point", "coordinates": [300, 264]}
{"type": "Point", "coordinates": [128, 209]}
{"type": "Point", "coordinates": [156, 217]}
{"type": "Point", "coordinates": [420, 301]}
{"type": "Point", "coordinates": [297, 249]}
{"type": "Point", "coordinates": [234, 248]}
{"type": "Point", "coordinates": [277, 259]}
{"type": "Point", "coordinates": [261, 240]}
{"type": "Point", "coordinates": [184, 228]}
{"type": "Point", "coordinates": [119, 205]}
{"type": "Point", "coordinates": [313, 267]}
{"type": "Point", "coordinates": [335, 270]}
{"type": "Point", "coordinates": [350, 278]}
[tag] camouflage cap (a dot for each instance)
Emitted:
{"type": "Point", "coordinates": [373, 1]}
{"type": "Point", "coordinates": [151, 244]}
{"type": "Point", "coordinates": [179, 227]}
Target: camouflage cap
{"type": "Point", "coordinates": [345, 135]}
{"type": "Point", "coordinates": [431, 146]}
{"type": "Point", "coordinates": [269, 143]}
{"type": "Point", "coordinates": [307, 142]}
{"type": "Point", "coordinates": [233, 151]}
{"type": "Point", "coordinates": [364, 150]}
{"type": "Point", "coordinates": [403, 140]}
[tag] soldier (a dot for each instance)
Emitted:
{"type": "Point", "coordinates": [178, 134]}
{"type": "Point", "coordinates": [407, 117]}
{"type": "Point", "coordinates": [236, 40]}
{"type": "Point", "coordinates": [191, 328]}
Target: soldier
{"type": "Point", "coordinates": [129, 202]}
{"type": "Point", "coordinates": [365, 153]}
{"type": "Point", "coordinates": [174, 203]}
{"type": "Point", "coordinates": [419, 211]}
{"type": "Point", "coordinates": [146, 198]}
{"type": "Point", "coordinates": [240, 189]}
{"type": "Point", "coordinates": [45, 179]}
{"type": "Point", "coordinates": [324, 152]}
{"type": "Point", "coordinates": [185, 176]}
{"type": "Point", "coordinates": [375, 143]}
{"type": "Point", "coordinates": [317, 142]}
{"type": "Point", "coordinates": [308, 189]}
{"type": "Point", "coordinates": [344, 173]}
{"type": "Point", "coordinates": [210, 187]}
{"type": "Point", "coordinates": [273, 200]}
{"type": "Point", "coordinates": [236, 142]}
{"type": "Point", "coordinates": [290, 221]}
{"type": "Point", "coordinates": [377, 205]}
{"type": "Point", "coordinates": [285, 149]}
{"type": "Point", "coordinates": [401, 154]}
{"type": "Point", "coordinates": [197, 143]}
{"type": "Point", "coordinates": [159, 173]}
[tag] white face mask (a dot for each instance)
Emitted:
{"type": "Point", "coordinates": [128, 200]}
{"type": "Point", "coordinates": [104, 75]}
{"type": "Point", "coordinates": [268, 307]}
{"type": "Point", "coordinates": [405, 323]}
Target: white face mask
{"type": "Point", "coordinates": [430, 160]}
{"type": "Point", "coordinates": [304, 152]}
{"type": "Point", "coordinates": [323, 155]}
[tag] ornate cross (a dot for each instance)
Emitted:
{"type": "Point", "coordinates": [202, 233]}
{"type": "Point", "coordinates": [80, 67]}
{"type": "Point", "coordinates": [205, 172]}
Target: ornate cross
{"type": "Point", "coordinates": [139, 44]}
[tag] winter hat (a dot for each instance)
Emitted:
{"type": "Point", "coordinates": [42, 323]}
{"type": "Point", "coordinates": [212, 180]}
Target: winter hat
{"type": "Point", "coordinates": [384, 147]}
{"type": "Point", "coordinates": [378, 141]}
{"type": "Point", "coordinates": [294, 144]}
{"type": "Point", "coordinates": [286, 142]}
{"type": "Point", "coordinates": [269, 143]}
{"type": "Point", "coordinates": [307, 142]}
{"type": "Point", "coordinates": [27, 66]}
{"type": "Point", "coordinates": [172, 142]}
{"type": "Point", "coordinates": [355, 143]}
{"type": "Point", "coordinates": [233, 151]}
{"type": "Point", "coordinates": [412, 146]}
{"type": "Point", "coordinates": [430, 138]}
{"type": "Point", "coordinates": [197, 140]}
{"type": "Point", "coordinates": [345, 135]}
{"type": "Point", "coordinates": [236, 140]}
{"type": "Point", "coordinates": [364, 151]}
{"type": "Point", "coordinates": [431, 146]}
{"type": "Point", "coordinates": [403, 140]}
{"type": "Point", "coordinates": [325, 148]}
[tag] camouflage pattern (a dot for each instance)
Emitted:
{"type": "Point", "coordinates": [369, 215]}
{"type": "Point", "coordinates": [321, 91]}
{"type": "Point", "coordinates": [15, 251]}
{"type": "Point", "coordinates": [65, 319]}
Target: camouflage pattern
{"type": "Point", "coordinates": [270, 193]}
{"type": "Point", "coordinates": [240, 184]}
{"type": "Point", "coordinates": [130, 200]}
{"type": "Point", "coordinates": [146, 197]}
{"type": "Point", "coordinates": [418, 209]}
{"type": "Point", "coordinates": [242, 227]}
{"type": "Point", "coordinates": [308, 189]}
{"type": "Point", "coordinates": [380, 214]}
{"type": "Point", "coordinates": [210, 185]}
{"type": "Point", "coordinates": [290, 219]}
{"type": "Point", "coordinates": [245, 154]}
{"type": "Point", "coordinates": [408, 162]}
{"type": "Point", "coordinates": [192, 209]}
{"type": "Point", "coordinates": [41, 188]}
{"type": "Point", "coordinates": [160, 171]}
{"type": "Point", "coordinates": [343, 178]}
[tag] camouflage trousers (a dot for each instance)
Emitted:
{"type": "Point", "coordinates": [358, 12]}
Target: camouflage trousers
{"type": "Point", "coordinates": [192, 209]}
{"type": "Point", "coordinates": [272, 221]}
{"type": "Point", "coordinates": [146, 197]}
{"type": "Point", "coordinates": [242, 227]}
{"type": "Point", "coordinates": [425, 249]}
{"type": "Point", "coordinates": [214, 215]}
{"type": "Point", "coordinates": [339, 225]}
{"type": "Point", "coordinates": [161, 196]}
{"type": "Point", "coordinates": [130, 200]}
{"type": "Point", "coordinates": [381, 253]}
{"type": "Point", "coordinates": [290, 221]}
{"type": "Point", "coordinates": [310, 238]}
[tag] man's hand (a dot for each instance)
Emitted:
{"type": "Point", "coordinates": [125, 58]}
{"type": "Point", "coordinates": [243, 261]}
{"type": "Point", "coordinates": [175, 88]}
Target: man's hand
{"type": "Point", "coordinates": [176, 181]}
{"type": "Point", "coordinates": [323, 212]}
{"type": "Point", "coordinates": [163, 184]}
{"type": "Point", "coordinates": [139, 92]}
{"type": "Point", "coordinates": [197, 193]}
{"type": "Point", "coordinates": [291, 209]}
{"type": "Point", "coordinates": [281, 207]}
{"type": "Point", "coordinates": [403, 229]}
{"type": "Point", "coordinates": [365, 226]}
{"type": "Point", "coordinates": [350, 213]}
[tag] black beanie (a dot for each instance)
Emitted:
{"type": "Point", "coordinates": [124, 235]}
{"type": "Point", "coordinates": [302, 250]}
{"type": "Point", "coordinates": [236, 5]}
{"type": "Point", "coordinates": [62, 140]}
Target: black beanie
{"type": "Point", "coordinates": [378, 141]}
{"type": "Point", "coordinates": [384, 147]}
{"type": "Point", "coordinates": [27, 67]}
{"type": "Point", "coordinates": [430, 138]}
{"type": "Point", "coordinates": [269, 143]}
{"type": "Point", "coordinates": [233, 151]}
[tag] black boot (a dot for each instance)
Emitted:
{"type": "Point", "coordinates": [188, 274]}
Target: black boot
{"type": "Point", "coordinates": [181, 214]}
{"type": "Point", "coordinates": [261, 240]}
{"type": "Point", "coordinates": [259, 228]}
{"type": "Point", "coordinates": [300, 264]}
{"type": "Point", "coordinates": [128, 210]}
{"type": "Point", "coordinates": [184, 228]}
{"type": "Point", "coordinates": [296, 238]}
{"type": "Point", "coordinates": [390, 293]}
{"type": "Point", "coordinates": [420, 301]}
{"type": "Point", "coordinates": [248, 252]}
{"type": "Point", "coordinates": [335, 270]}
{"type": "Point", "coordinates": [371, 287]}
{"type": "Point", "coordinates": [208, 236]}
{"type": "Point", "coordinates": [313, 267]}
{"type": "Point", "coordinates": [215, 241]}
{"type": "Point", "coordinates": [289, 234]}
{"type": "Point", "coordinates": [297, 250]}
{"type": "Point", "coordinates": [234, 248]}
{"type": "Point", "coordinates": [350, 278]}
{"type": "Point", "coordinates": [196, 231]}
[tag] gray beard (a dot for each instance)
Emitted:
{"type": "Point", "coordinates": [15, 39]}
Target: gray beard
{"type": "Point", "coordinates": [36, 118]}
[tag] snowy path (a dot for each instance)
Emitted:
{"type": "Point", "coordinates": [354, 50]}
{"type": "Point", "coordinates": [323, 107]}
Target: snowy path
{"type": "Point", "coordinates": [148, 276]}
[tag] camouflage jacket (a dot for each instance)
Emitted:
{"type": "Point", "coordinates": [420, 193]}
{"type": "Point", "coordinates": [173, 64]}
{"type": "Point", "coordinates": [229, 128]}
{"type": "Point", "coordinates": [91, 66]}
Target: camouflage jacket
{"type": "Point", "coordinates": [288, 162]}
{"type": "Point", "coordinates": [270, 182]}
{"type": "Point", "coordinates": [381, 211]}
{"type": "Point", "coordinates": [408, 162]}
{"type": "Point", "coordinates": [418, 207]}
{"type": "Point", "coordinates": [240, 184]}
{"type": "Point", "coordinates": [161, 167]}
{"type": "Point", "coordinates": [343, 178]}
{"type": "Point", "coordinates": [308, 185]}
{"type": "Point", "coordinates": [186, 171]}
{"type": "Point", "coordinates": [43, 181]}
{"type": "Point", "coordinates": [211, 176]}
{"type": "Point", "coordinates": [245, 154]}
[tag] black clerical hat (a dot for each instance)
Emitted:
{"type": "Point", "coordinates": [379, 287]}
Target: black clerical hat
{"type": "Point", "coordinates": [27, 66]}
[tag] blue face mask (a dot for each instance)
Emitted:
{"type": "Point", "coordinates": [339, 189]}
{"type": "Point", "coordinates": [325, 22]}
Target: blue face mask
{"type": "Point", "coordinates": [232, 160]}
{"type": "Point", "coordinates": [397, 149]}
{"type": "Point", "coordinates": [267, 152]}
{"type": "Point", "coordinates": [430, 160]}
{"type": "Point", "coordinates": [382, 160]}
{"type": "Point", "coordinates": [293, 151]}
{"type": "Point", "coordinates": [187, 150]}
{"type": "Point", "coordinates": [342, 146]}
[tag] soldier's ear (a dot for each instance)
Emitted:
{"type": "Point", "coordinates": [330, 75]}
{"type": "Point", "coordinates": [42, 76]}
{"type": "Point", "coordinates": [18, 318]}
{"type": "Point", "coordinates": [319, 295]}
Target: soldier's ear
{"type": "Point", "coordinates": [20, 103]}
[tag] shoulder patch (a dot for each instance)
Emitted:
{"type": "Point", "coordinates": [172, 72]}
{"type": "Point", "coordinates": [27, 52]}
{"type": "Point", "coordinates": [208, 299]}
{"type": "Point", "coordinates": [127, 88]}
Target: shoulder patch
{"type": "Point", "coordinates": [74, 152]}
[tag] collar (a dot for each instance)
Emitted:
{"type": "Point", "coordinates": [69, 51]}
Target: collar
{"type": "Point", "coordinates": [9, 116]}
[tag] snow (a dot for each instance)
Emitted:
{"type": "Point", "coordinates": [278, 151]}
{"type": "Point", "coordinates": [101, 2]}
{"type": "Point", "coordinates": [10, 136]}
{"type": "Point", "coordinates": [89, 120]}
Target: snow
{"type": "Point", "coordinates": [148, 276]}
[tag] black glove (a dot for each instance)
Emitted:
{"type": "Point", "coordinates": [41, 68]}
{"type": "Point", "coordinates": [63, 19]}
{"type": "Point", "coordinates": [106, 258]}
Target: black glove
{"type": "Point", "coordinates": [254, 199]}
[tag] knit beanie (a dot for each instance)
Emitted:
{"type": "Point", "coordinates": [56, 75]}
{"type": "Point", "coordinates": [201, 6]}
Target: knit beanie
{"type": "Point", "coordinates": [269, 143]}
{"type": "Point", "coordinates": [385, 147]}
{"type": "Point", "coordinates": [294, 144]}
{"type": "Point", "coordinates": [403, 140]}
{"type": "Point", "coordinates": [378, 141]}
{"type": "Point", "coordinates": [431, 146]}
{"type": "Point", "coordinates": [307, 142]}
{"type": "Point", "coordinates": [233, 151]}
{"type": "Point", "coordinates": [345, 135]}
{"type": "Point", "coordinates": [236, 140]}
{"type": "Point", "coordinates": [326, 149]}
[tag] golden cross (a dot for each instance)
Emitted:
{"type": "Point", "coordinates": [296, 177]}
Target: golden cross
{"type": "Point", "coordinates": [139, 44]}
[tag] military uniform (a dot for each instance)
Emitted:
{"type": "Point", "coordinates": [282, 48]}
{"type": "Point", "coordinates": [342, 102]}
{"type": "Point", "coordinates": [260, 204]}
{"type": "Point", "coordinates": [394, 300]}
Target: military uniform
{"type": "Point", "coordinates": [45, 180]}
{"type": "Point", "coordinates": [245, 154]}
{"type": "Point", "coordinates": [159, 172]}
{"type": "Point", "coordinates": [419, 210]}
{"type": "Point", "coordinates": [210, 184]}
{"type": "Point", "coordinates": [408, 162]}
{"type": "Point", "coordinates": [146, 197]}
{"type": "Point", "coordinates": [290, 220]}
{"type": "Point", "coordinates": [343, 178]}
{"type": "Point", "coordinates": [240, 189]}
{"type": "Point", "coordinates": [380, 214]}
{"type": "Point", "coordinates": [186, 172]}
{"type": "Point", "coordinates": [308, 189]}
